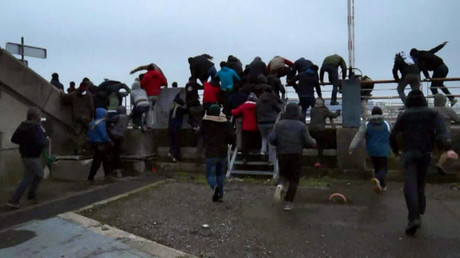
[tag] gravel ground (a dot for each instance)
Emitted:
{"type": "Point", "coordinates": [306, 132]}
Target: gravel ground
{"type": "Point", "coordinates": [250, 224]}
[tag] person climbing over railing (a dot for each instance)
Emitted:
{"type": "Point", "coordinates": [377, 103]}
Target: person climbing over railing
{"type": "Point", "coordinates": [331, 66]}
{"type": "Point", "coordinates": [410, 74]}
{"type": "Point", "coordinates": [428, 61]}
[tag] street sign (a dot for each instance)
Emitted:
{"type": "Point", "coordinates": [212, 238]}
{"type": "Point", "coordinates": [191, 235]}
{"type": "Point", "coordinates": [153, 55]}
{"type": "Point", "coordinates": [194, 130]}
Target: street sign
{"type": "Point", "coordinates": [24, 50]}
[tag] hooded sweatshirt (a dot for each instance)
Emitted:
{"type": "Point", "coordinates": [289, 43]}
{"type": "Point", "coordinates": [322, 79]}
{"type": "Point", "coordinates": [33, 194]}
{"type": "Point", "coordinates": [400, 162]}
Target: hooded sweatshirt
{"type": "Point", "coordinates": [82, 105]}
{"type": "Point", "coordinates": [217, 133]}
{"type": "Point", "coordinates": [97, 131]}
{"type": "Point", "coordinates": [446, 112]}
{"type": "Point", "coordinates": [420, 126]}
{"type": "Point", "coordinates": [404, 65]}
{"type": "Point", "coordinates": [119, 123]}
{"type": "Point", "coordinates": [227, 76]}
{"type": "Point", "coordinates": [256, 67]}
{"type": "Point", "coordinates": [31, 139]}
{"type": "Point", "coordinates": [278, 62]}
{"type": "Point", "coordinates": [199, 66]}
{"type": "Point", "coordinates": [248, 111]}
{"type": "Point", "coordinates": [152, 82]}
{"type": "Point", "coordinates": [290, 135]}
{"type": "Point", "coordinates": [318, 114]}
{"type": "Point", "coordinates": [308, 81]}
{"type": "Point", "coordinates": [267, 108]}
{"type": "Point", "coordinates": [138, 95]}
{"type": "Point", "coordinates": [376, 131]}
{"type": "Point", "coordinates": [235, 64]}
{"type": "Point", "coordinates": [176, 114]}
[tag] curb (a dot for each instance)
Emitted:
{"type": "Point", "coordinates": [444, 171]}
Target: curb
{"type": "Point", "coordinates": [131, 240]}
{"type": "Point", "coordinates": [136, 242]}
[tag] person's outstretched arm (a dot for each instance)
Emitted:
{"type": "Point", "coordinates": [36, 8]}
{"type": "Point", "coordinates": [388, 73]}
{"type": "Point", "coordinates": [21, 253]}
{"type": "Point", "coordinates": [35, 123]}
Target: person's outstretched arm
{"type": "Point", "coordinates": [437, 48]}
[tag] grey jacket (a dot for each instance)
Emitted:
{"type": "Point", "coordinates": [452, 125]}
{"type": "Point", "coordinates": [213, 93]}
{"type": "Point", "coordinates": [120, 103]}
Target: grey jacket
{"type": "Point", "coordinates": [446, 112]}
{"type": "Point", "coordinates": [290, 135]}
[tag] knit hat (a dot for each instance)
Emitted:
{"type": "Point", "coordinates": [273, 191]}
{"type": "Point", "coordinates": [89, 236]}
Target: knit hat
{"type": "Point", "coordinates": [214, 110]}
{"type": "Point", "coordinates": [252, 97]}
{"type": "Point", "coordinates": [377, 111]}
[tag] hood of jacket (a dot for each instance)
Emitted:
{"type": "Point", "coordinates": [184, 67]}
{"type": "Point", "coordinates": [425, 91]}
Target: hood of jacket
{"type": "Point", "coordinates": [292, 112]}
{"type": "Point", "coordinates": [267, 97]}
{"type": "Point", "coordinates": [415, 98]}
{"type": "Point", "coordinates": [440, 100]}
{"type": "Point", "coordinates": [319, 102]}
{"type": "Point", "coordinates": [136, 85]}
{"type": "Point", "coordinates": [376, 119]}
{"type": "Point", "coordinates": [100, 113]}
{"type": "Point", "coordinates": [261, 79]}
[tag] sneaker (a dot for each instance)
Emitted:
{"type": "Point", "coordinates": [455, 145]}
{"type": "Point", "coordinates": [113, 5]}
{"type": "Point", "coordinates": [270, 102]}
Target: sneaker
{"type": "Point", "coordinates": [33, 200]}
{"type": "Point", "coordinates": [384, 188]}
{"type": "Point", "coordinates": [262, 153]}
{"type": "Point", "coordinates": [335, 103]}
{"type": "Point", "coordinates": [278, 190]}
{"type": "Point", "coordinates": [453, 102]}
{"type": "Point", "coordinates": [174, 160]}
{"type": "Point", "coordinates": [215, 196]}
{"type": "Point", "coordinates": [13, 205]}
{"type": "Point", "coordinates": [378, 187]}
{"type": "Point", "coordinates": [413, 226]}
{"type": "Point", "coordinates": [288, 206]}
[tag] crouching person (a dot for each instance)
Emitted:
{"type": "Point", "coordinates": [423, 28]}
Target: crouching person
{"type": "Point", "coordinates": [31, 139]}
{"type": "Point", "coordinates": [217, 134]}
{"type": "Point", "coordinates": [99, 141]}
{"type": "Point", "coordinates": [290, 136]}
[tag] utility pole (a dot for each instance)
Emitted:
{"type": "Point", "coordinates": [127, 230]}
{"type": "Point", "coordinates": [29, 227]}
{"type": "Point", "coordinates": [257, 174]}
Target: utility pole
{"type": "Point", "coordinates": [351, 36]}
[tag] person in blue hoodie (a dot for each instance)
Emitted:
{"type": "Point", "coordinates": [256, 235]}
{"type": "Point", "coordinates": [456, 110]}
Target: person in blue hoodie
{"type": "Point", "coordinates": [376, 131]}
{"type": "Point", "coordinates": [227, 77]}
{"type": "Point", "coordinates": [99, 141]}
{"type": "Point", "coordinates": [32, 140]}
{"type": "Point", "coordinates": [308, 81]}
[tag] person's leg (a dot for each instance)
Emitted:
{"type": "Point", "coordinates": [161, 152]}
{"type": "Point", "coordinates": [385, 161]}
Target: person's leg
{"type": "Point", "coordinates": [265, 131]}
{"type": "Point", "coordinates": [414, 81]}
{"type": "Point", "coordinates": [304, 103]}
{"type": "Point", "coordinates": [38, 175]}
{"type": "Point", "coordinates": [220, 171]}
{"type": "Point", "coordinates": [212, 72]}
{"type": "Point", "coordinates": [283, 165]}
{"type": "Point", "coordinates": [97, 159]}
{"type": "Point", "coordinates": [211, 172]}
{"type": "Point", "coordinates": [401, 86]}
{"type": "Point", "coordinates": [410, 185]}
{"type": "Point", "coordinates": [172, 141]}
{"type": "Point", "coordinates": [137, 116]}
{"type": "Point", "coordinates": [334, 79]}
{"type": "Point", "coordinates": [239, 134]}
{"type": "Point", "coordinates": [294, 176]}
{"type": "Point", "coordinates": [246, 141]}
{"type": "Point", "coordinates": [27, 179]}
{"type": "Point", "coordinates": [441, 72]}
{"type": "Point", "coordinates": [176, 149]}
{"type": "Point", "coordinates": [424, 164]}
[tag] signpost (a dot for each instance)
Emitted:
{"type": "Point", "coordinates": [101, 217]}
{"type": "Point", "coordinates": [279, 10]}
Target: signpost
{"type": "Point", "coordinates": [23, 50]}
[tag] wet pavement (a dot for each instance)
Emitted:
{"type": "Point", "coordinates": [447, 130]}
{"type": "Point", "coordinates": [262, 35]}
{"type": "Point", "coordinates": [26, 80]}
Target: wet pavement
{"type": "Point", "coordinates": [249, 224]}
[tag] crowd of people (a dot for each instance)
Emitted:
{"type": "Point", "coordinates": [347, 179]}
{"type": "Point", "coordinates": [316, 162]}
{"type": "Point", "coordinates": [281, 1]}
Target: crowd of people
{"type": "Point", "coordinates": [244, 108]}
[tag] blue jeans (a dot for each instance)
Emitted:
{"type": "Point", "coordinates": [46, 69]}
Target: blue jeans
{"type": "Point", "coordinates": [33, 174]}
{"type": "Point", "coordinates": [215, 169]}
{"type": "Point", "coordinates": [415, 168]}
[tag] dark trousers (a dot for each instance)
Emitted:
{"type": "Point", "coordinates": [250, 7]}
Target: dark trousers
{"type": "Point", "coordinates": [290, 167]}
{"type": "Point", "coordinates": [306, 102]}
{"type": "Point", "coordinates": [250, 141]}
{"type": "Point", "coordinates": [195, 115]}
{"type": "Point", "coordinates": [174, 141]}
{"type": "Point", "coordinates": [413, 80]}
{"type": "Point", "coordinates": [33, 175]}
{"type": "Point", "coordinates": [100, 156]}
{"type": "Point", "coordinates": [380, 168]}
{"type": "Point", "coordinates": [441, 72]}
{"type": "Point", "coordinates": [138, 113]}
{"type": "Point", "coordinates": [415, 168]}
{"type": "Point", "coordinates": [333, 73]}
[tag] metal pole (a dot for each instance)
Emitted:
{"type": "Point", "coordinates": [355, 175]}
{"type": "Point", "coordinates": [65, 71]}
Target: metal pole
{"type": "Point", "coordinates": [351, 36]}
{"type": "Point", "coordinates": [22, 49]}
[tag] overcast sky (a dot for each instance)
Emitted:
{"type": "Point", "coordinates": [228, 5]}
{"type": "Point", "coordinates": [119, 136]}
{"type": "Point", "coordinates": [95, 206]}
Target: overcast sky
{"type": "Point", "coordinates": [106, 39]}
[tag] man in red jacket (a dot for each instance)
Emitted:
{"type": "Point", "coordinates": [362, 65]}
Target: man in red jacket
{"type": "Point", "coordinates": [151, 83]}
{"type": "Point", "coordinates": [249, 127]}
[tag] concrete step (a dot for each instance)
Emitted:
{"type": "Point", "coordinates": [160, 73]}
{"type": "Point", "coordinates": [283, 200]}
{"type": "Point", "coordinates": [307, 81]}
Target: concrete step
{"type": "Point", "coordinates": [251, 172]}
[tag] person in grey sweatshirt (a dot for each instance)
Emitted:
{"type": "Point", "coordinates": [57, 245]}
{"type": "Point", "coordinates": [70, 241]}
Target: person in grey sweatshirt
{"type": "Point", "coordinates": [290, 136]}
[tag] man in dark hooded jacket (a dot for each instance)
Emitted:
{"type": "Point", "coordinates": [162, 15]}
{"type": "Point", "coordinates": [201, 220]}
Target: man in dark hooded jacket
{"type": "Point", "coordinates": [202, 68]}
{"type": "Point", "coordinates": [31, 139]}
{"type": "Point", "coordinates": [420, 127]}
{"type": "Point", "coordinates": [235, 64]}
{"type": "Point", "coordinates": [290, 136]}
{"type": "Point", "coordinates": [218, 134]}
{"type": "Point", "coordinates": [308, 81]}
{"type": "Point", "coordinates": [410, 74]}
{"type": "Point", "coordinates": [428, 61]}
{"type": "Point", "coordinates": [82, 105]}
{"type": "Point", "coordinates": [267, 109]}
{"type": "Point", "coordinates": [255, 68]}
{"type": "Point", "coordinates": [55, 82]}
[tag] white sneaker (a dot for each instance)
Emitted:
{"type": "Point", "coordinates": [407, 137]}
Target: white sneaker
{"type": "Point", "coordinates": [288, 206]}
{"type": "Point", "coordinates": [278, 190]}
{"type": "Point", "coordinates": [378, 186]}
